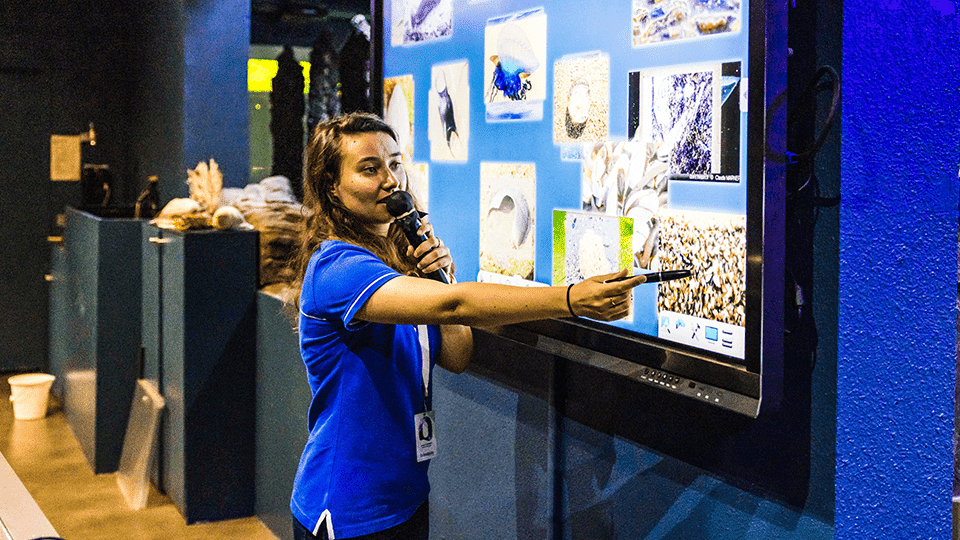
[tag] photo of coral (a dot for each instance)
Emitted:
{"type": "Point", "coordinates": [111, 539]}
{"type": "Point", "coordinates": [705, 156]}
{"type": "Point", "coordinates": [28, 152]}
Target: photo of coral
{"type": "Point", "coordinates": [398, 111]}
{"type": "Point", "coordinates": [515, 49]}
{"type": "Point", "coordinates": [627, 179]}
{"type": "Point", "coordinates": [714, 247]}
{"type": "Point", "coordinates": [417, 21]}
{"type": "Point", "coordinates": [655, 21]}
{"type": "Point", "coordinates": [449, 105]}
{"type": "Point", "coordinates": [581, 98]}
{"type": "Point", "coordinates": [587, 245]}
{"type": "Point", "coordinates": [507, 212]}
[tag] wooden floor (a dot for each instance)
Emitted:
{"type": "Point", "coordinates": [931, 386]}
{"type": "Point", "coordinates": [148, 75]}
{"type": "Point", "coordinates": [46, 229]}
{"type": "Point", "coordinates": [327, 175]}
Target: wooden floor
{"type": "Point", "coordinates": [81, 505]}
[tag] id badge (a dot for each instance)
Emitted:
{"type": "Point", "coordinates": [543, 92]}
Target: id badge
{"type": "Point", "coordinates": [426, 436]}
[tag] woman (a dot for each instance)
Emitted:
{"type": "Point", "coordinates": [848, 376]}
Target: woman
{"type": "Point", "coordinates": [371, 329]}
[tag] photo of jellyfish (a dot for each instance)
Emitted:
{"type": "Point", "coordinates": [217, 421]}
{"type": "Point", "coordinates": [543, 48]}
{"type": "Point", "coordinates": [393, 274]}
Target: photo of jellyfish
{"type": "Point", "coordinates": [398, 111]}
{"type": "Point", "coordinates": [655, 21]}
{"type": "Point", "coordinates": [507, 212]}
{"type": "Point", "coordinates": [515, 47]}
{"type": "Point", "coordinates": [587, 245]}
{"type": "Point", "coordinates": [418, 184]}
{"type": "Point", "coordinates": [680, 108]}
{"type": "Point", "coordinates": [628, 179]}
{"type": "Point", "coordinates": [714, 247]}
{"type": "Point", "coordinates": [581, 98]}
{"type": "Point", "coordinates": [449, 104]}
{"type": "Point", "coordinates": [418, 21]}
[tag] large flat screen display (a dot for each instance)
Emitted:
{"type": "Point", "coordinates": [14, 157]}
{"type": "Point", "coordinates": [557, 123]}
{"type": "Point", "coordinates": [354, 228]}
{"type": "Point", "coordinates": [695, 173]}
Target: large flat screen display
{"type": "Point", "coordinates": [553, 141]}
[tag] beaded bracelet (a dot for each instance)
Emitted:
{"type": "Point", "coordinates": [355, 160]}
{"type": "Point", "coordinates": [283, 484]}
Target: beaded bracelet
{"type": "Point", "coordinates": [569, 306]}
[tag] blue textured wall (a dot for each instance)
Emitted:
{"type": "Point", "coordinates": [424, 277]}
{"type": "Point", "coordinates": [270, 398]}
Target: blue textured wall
{"type": "Point", "coordinates": [898, 242]}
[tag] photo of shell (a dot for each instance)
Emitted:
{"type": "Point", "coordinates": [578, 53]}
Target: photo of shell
{"type": "Point", "coordinates": [587, 245]}
{"type": "Point", "coordinates": [507, 218]}
{"type": "Point", "coordinates": [398, 111]}
{"type": "Point", "coordinates": [515, 48]}
{"type": "Point", "coordinates": [417, 21]}
{"type": "Point", "coordinates": [628, 179]}
{"type": "Point", "coordinates": [418, 184]}
{"type": "Point", "coordinates": [655, 21]}
{"type": "Point", "coordinates": [581, 98]}
{"type": "Point", "coordinates": [714, 247]}
{"type": "Point", "coordinates": [449, 103]}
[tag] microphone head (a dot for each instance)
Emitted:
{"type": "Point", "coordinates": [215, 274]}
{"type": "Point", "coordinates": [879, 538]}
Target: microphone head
{"type": "Point", "coordinates": [399, 203]}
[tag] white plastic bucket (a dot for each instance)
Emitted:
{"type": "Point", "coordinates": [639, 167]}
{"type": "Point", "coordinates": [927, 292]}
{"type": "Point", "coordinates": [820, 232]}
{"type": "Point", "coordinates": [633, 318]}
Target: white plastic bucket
{"type": "Point", "coordinates": [29, 393]}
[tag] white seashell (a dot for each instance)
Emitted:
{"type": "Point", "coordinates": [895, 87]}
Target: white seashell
{"type": "Point", "coordinates": [227, 217]}
{"type": "Point", "coordinates": [578, 103]}
{"type": "Point", "coordinates": [510, 201]}
{"type": "Point", "coordinates": [179, 207]}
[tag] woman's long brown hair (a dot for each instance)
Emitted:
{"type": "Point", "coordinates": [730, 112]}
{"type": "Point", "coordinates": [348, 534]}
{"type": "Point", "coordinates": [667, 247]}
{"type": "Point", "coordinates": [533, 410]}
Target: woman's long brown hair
{"type": "Point", "coordinates": [325, 216]}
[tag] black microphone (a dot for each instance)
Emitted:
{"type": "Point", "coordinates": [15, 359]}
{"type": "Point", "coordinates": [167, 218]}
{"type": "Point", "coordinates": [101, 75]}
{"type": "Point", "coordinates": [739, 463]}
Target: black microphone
{"type": "Point", "coordinates": [400, 206]}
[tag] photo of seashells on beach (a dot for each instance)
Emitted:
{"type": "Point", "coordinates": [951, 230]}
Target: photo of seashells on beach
{"type": "Point", "coordinates": [581, 98]}
{"type": "Point", "coordinates": [418, 184]}
{"type": "Point", "coordinates": [714, 247]}
{"type": "Point", "coordinates": [515, 49]}
{"type": "Point", "coordinates": [507, 212]}
{"type": "Point", "coordinates": [398, 111]}
{"type": "Point", "coordinates": [668, 20]}
{"type": "Point", "coordinates": [587, 245]}
{"type": "Point", "coordinates": [627, 179]}
{"type": "Point", "coordinates": [449, 106]}
{"type": "Point", "coordinates": [416, 21]}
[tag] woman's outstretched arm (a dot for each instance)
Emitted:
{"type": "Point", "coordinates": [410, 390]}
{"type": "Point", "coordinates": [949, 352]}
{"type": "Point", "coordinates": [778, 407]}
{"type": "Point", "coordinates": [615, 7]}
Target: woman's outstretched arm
{"type": "Point", "coordinates": [411, 300]}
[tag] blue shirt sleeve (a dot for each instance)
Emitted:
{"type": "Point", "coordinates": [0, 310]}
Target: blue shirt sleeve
{"type": "Point", "coordinates": [339, 280]}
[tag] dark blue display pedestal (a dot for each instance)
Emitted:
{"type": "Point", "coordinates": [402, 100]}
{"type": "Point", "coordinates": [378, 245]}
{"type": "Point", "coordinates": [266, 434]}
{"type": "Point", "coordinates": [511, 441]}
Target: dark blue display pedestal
{"type": "Point", "coordinates": [200, 293]}
{"type": "Point", "coordinates": [95, 338]}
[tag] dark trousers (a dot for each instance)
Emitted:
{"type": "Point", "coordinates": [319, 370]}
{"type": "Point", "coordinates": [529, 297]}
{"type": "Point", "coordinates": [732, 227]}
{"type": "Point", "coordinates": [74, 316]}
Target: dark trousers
{"type": "Point", "coordinates": [415, 528]}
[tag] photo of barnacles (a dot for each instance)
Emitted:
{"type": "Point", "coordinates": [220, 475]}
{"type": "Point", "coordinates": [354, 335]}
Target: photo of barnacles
{"type": "Point", "coordinates": [581, 98]}
{"type": "Point", "coordinates": [398, 111]}
{"type": "Point", "coordinates": [449, 105]}
{"type": "Point", "coordinates": [656, 21]}
{"type": "Point", "coordinates": [587, 245]}
{"type": "Point", "coordinates": [507, 212]}
{"type": "Point", "coordinates": [417, 21]}
{"type": "Point", "coordinates": [515, 48]}
{"type": "Point", "coordinates": [714, 247]}
{"type": "Point", "coordinates": [628, 179]}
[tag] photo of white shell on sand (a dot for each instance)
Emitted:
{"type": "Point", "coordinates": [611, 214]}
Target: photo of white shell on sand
{"type": "Point", "coordinates": [655, 21]}
{"type": "Point", "coordinates": [398, 111]}
{"type": "Point", "coordinates": [449, 112]}
{"type": "Point", "coordinates": [587, 245]}
{"type": "Point", "coordinates": [507, 224]}
{"type": "Point", "coordinates": [714, 247]}
{"type": "Point", "coordinates": [581, 98]}
{"type": "Point", "coordinates": [418, 184]}
{"type": "Point", "coordinates": [627, 179]}
{"type": "Point", "coordinates": [417, 21]}
{"type": "Point", "coordinates": [515, 79]}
